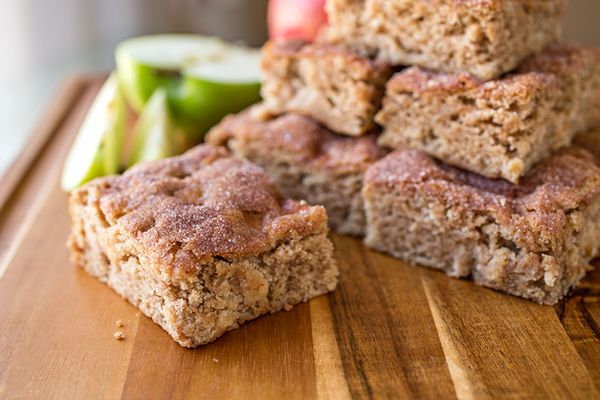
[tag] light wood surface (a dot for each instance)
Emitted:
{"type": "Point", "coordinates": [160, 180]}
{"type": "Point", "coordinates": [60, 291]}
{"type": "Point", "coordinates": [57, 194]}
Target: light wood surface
{"type": "Point", "coordinates": [390, 330]}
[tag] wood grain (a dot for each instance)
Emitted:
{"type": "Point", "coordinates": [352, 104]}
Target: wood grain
{"type": "Point", "coordinates": [57, 336]}
{"type": "Point", "coordinates": [269, 358]}
{"type": "Point", "coordinates": [28, 195]}
{"type": "Point", "coordinates": [580, 316]}
{"type": "Point", "coordinates": [385, 330]}
{"type": "Point", "coordinates": [390, 330]}
{"type": "Point", "coordinates": [331, 381]}
{"type": "Point", "coordinates": [498, 345]}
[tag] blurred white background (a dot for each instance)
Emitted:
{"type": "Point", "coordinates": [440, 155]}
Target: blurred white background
{"type": "Point", "coordinates": [42, 41]}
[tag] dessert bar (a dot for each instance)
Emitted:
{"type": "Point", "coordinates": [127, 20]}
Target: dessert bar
{"type": "Point", "coordinates": [532, 240]}
{"type": "Point", "coordinates": [485, 38]}
{"type": "Point", "coordinates": [201, 243]}
{"type": "Point", "coordinates": [500, 128]}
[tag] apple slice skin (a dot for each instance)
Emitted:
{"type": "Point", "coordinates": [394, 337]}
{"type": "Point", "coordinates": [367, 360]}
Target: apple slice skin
{"type": "Point", "coordinates": [113, 141]}
{"type": "Point", "coordinates": [196, 103]}
{"type": "Point", "coordinates": [140, 81]}
{"type": "Point", "coordinates": [155, 136]}
{"type": "Point", "coordinates": [96, 170]}
{"type": "Point", "coordinates": [201, 104]}
{"type": "Point", "coordinates": [97, 147]}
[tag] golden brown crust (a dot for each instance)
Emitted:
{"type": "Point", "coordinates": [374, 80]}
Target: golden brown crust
{"type": "Point", "coordinates": [303, 139]}
{"type": "Point", "coordinates": [498, 128]}
{"type": "Point", "coordinates": [538, 73]}
{"type": "Point", "coordinates": [305, 160]}
{"type": "Point", "coordinates": [534, 209]}
{"type": "Point", "coordinates": [421, 81]}
{"type": "Point", "coordinates": [488, 5]}
{"type": "Point", "coordinates": [199, 205]}
{"type": "Point", "coordinates": [494, 4]}
{"type": "Point", "coordinates": [590, 141]}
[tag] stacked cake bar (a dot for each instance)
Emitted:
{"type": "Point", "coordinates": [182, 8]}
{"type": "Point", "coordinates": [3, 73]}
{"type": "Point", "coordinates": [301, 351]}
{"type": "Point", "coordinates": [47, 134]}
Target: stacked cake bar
{"type": "Point", "coordinates": [442, 131]}
{"type": "Point", "coordinates": [497, 128]}
{"type": "Point", "coordinates": [314, 132]}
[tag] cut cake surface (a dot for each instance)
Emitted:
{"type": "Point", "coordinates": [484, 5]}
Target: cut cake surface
{"type": "Point", "coordinates": [340, 89]}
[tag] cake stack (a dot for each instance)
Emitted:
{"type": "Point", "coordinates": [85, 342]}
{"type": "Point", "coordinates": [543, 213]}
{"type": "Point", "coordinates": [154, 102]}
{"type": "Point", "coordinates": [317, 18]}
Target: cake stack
{"type": "Point", "coordinates": [440, 131]}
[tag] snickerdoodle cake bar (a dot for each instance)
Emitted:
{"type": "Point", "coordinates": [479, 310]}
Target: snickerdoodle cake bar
{"type": "Point", "coordinates": [201, 243]}
{"type": "Point", "coordinates": [340, 89]}
{"type": "Point", "coordinates": [499, 128]}
{"type": "Point", "coordinates": [485, 38]}
{"type": "Point", "coordinates": [305, 160]}
{"type": "Point", "coordinates": [532, 240]}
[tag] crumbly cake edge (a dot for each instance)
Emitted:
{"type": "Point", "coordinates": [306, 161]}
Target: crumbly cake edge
{"type": "Point", "coordinates": [112, 257]}
{"type": "Point", "coordinates": [544, 110]}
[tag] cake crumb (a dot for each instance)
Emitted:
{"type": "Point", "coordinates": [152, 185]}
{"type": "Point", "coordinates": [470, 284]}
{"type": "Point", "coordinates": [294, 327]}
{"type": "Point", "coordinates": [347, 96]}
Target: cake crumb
{"type": "Point", "coordinates": [416, 99]}
{"type": "Point", "coordinates": [215, 360]}
{"type": "Point", "coordinates": [288, 307]}
{"type": "Point", "coordinates": [119, 323]}
{"type": "Point", "coordinates": [260, 113]}
{"type": "Point", "coordinates": [326, 169]}
{"type": "Point", "coordinates": [119, 335]}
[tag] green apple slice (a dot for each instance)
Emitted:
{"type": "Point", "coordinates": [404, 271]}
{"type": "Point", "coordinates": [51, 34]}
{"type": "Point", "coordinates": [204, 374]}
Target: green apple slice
{"type": "Point", "coordinates": [97, 148]}
{"type": "Point", "coordinates": [205, 77]}
{"type": "Point", "coordinates": [155, 136]}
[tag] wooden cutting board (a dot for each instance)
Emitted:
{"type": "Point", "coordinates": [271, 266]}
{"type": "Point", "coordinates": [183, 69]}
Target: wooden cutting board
{"type": "Point", "coordinates": [390, 330]}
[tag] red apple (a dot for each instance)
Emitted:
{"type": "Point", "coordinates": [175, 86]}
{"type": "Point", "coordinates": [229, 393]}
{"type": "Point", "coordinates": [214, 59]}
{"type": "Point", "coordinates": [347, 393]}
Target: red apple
{"type": "Point", "coordinates": [296, 19]}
